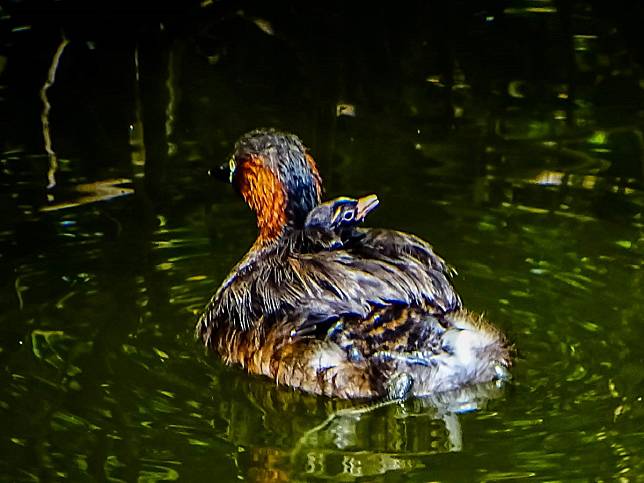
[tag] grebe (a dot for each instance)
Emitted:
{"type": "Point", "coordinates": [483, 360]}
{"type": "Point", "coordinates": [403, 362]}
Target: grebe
{"type": "Point", "coordinates": [375, 316]}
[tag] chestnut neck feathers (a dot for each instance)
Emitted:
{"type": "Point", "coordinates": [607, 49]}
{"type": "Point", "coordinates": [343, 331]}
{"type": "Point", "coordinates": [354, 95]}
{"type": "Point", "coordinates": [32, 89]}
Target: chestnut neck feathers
{"type": "Point", "coordinates": [277, 178]}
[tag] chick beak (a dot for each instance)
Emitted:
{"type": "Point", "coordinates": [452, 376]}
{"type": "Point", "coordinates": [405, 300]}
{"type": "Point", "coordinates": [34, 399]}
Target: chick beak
{"type": "Point", "coordinates": [365, 205]}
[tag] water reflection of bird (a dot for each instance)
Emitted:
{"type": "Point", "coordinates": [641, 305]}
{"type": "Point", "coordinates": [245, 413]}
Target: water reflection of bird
{"type": "Point", "coordinates": [376, 317]}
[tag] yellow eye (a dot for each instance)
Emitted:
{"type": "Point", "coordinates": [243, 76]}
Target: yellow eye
{"type": "Point", "coordinates": [231, 169]}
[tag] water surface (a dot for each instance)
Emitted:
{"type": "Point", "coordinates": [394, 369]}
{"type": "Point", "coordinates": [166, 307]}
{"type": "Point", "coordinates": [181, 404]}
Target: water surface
{"type": "Point", "coordinates": [511, 138]}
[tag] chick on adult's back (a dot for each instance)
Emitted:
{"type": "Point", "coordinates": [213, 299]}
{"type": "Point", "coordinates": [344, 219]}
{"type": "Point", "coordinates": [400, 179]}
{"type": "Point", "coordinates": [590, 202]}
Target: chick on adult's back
{"type": "Point", "coordinates": [373, 316]}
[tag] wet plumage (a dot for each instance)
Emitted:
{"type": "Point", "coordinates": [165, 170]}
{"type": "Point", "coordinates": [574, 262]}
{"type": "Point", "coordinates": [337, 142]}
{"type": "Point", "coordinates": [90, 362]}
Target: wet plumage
{"type": "Point", "coordinates": [376, 316]}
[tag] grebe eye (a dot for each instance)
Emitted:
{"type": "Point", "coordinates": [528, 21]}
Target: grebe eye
{"type": "Point", "coordinates": [348, 216]}
{"type": "Point", "coordinates": [231, 169]}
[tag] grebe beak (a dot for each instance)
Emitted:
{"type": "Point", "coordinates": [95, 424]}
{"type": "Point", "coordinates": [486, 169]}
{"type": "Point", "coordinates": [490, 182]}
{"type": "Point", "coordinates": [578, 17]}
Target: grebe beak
{"type": "Point", "coordinates": [365, 205]}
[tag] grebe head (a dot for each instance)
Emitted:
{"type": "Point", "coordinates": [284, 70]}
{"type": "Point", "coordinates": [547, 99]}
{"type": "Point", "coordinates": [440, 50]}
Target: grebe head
{"type": "Point", "coordinates": [277, 178]}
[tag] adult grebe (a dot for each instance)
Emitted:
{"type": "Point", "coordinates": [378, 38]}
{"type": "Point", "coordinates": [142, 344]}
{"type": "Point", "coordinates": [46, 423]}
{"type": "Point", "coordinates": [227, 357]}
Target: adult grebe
{"type": "Point", "coordinates": [374, 316]}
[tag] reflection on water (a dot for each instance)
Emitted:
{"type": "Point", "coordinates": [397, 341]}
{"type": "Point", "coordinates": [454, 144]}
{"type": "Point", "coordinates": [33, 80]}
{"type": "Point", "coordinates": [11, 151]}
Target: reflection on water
{"type": "Point", "coordinates": [338, 440]}
{"type": "Point", "coordinates": [511, 138]}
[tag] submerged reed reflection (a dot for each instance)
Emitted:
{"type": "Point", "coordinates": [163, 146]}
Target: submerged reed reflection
{"type": "Point", "coordinates": [44, 117]}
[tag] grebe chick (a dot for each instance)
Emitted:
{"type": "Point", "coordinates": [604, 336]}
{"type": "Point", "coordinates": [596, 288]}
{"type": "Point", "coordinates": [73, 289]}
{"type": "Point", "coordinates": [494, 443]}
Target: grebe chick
{"type": "Point", "coordinates": [331, 224]}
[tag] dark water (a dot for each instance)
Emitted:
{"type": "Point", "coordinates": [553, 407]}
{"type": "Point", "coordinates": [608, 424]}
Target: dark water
{"type": "Point", "coordinates": [507, 134]}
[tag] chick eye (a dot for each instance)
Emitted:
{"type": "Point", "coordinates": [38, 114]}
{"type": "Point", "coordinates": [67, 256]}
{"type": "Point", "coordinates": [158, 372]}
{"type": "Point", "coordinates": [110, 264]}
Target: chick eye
{"type": "Point", "coordinates": [348, 216]}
